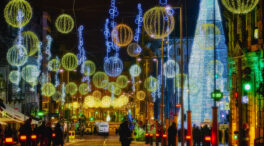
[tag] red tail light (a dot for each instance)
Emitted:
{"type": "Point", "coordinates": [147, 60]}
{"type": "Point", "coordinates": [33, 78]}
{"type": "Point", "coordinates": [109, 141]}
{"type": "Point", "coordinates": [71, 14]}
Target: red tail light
{"type": "Point", "coordinates": [157, 135]}
{"type": "Point", "coordinates": [9, 140]}
{"type": "Point", "coordinates": [146, 134]}
{"type": "Point", "coordinates": [33, 137]}
{"type": "Point", "coordinates": [23, 137]}
{"type": "Point", "coordinates": [164, 136]}
{"type": "Point", "coordinates": [207, 138]}
{"type": "Point", "coordinates": [188, 137]}
{"type": "Point", "coordinates": [53, 135]}
{"type": "Point", "coordinates": [151, 135]}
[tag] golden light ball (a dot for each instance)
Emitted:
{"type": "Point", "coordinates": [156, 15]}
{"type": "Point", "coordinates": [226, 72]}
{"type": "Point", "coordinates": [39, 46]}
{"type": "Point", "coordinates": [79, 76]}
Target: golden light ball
{"type": "Point", "coordinates": [64, 23]}
{"type": "Point", "coordinates": [17, 55]}
{"type": "Point", "coordinates": [71, 88]}
{"type": "Point", "coordinates": [123, 100]}
{"type": "Point", "coordinates": [54, 65]}
{"type": "Point", "coordinates": [31, 42]}
{"type": "Point", "coordinates": [151, 84]}
{"type": "Point", "coordinates": [100, 80]}
{"type": "Point", "coordinates": [240, 6]}
{"type": "Point", "coordinates": [18, 13]}
{"type": "Point", "coordinates": [84, 88]}
{"type": "Point", "coordinates": [89, 102]}
{"type": "Point", "coordinates": [122, 35]}
{"type": "Point", "coordinates": [97, 94]}
{"type": "Point", "coordinates": [48, 89]}
{"type": "Point", "coordinates": [89, 68]}
{"type": "Point", "coordinates": [122, 81]}
{"type": "Point", "coordinates": [69, 62]}
{"type": "Point", "coordinates": [141, 95]}
{"type": "Point", "coordinates": [106, 101]}
{"type": "Point", "coordinates": [158, 23]}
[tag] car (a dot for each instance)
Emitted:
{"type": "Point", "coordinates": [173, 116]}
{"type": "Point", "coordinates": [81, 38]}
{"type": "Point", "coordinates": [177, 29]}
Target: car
{"type": "Point", "coordinates": [102, 128]}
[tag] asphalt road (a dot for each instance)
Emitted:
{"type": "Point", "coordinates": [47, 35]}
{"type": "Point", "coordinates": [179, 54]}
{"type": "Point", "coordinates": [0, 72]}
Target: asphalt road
{"type": "Point", "coordinates": [100, 141]}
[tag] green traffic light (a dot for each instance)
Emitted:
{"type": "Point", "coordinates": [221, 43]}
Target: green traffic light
{"type": "Point", "coordinates": [236, 137]}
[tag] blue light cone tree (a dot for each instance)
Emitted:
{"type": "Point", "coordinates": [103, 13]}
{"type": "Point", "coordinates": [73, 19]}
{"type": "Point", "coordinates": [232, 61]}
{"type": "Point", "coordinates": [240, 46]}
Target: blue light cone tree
{"type": "Point", "coordinates": [202, 54]}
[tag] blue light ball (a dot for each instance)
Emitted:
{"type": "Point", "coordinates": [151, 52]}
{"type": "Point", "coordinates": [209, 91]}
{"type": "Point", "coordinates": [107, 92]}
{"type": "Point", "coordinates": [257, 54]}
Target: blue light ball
{"type": "Point", "coordinates": [113, 66]}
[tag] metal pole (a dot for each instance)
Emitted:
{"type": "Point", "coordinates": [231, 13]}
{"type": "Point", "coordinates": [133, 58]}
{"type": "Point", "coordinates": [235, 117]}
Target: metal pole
{"type": "Point", "coordinates": [182, 106]}
{"type": "Point", "coordinates": [162, 94]}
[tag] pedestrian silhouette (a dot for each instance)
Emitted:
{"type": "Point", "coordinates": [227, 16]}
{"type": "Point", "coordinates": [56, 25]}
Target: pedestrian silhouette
{"type": "Point", "coordinates": [172, 133]}
{"type": "Point", "coordinates": [125, 134]}
{"type": "Point", "coordinates": [58, 140]}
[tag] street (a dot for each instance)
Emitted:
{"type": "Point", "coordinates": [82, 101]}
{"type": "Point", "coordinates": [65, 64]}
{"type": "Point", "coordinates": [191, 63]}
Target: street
{"type": "Point", "coordinates": [92, 140]}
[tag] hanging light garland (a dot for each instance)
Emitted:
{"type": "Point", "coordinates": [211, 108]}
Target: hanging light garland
{"type": "Point", "coordinates": [14, 77]}
{"type": "Point", "coordinates": [151, 84]}
{"type": "Point", "coordinates": [71, 88]}
{"type": "Point", "coordinates": [122, 35]}
{"type": "Point", "coordinates": [81, 51]}
{"type": "Point", "coordinates": [135, 70]}
{"type": "Point", "coordinates": [30, 73]}
{"type": "Point", "coordinates": [84, 89]}
{"type": "Point", "coordinates": [158, 23]}
{"type": "Point", "coordinates": [89, 68]}
{"type": "Point", "coordinates": [31, 42]}
{"type": "Point", "coordinates": [18, 13]}
{"type": "Point", "coordinates": [54, 65]}
{"type": "Point", "coordinates": [57, 80]}
{"type": "Point", "coordinates": [240, 6]}
{"type": "Point", "coordinates": [69, 62]}
{"type": "Point", "coordinates": [113, 66]}
{"type": "Point", "coordinates": [57, 96]}
{"type": "Point", "coordinates": [64, 23]}
{"type": "Point", "coordinates": [141, 95]}
{"type": "Point", "coordinates": [89, 102]}
{"type": "Point", "coordinates": [97, 94]}
{"type": "Point", "coordinates": [100, 80]}
{"type": "Point", "coordinates": [122, 81]}
{"type": "Point", "coordinates": [48, 89]}
{"type": "Point", "coordinates": [171, 68]}
{"type": "Point", "coordinates": [17, 55]}
{"type": "Point", "coordinates": [106, 102]}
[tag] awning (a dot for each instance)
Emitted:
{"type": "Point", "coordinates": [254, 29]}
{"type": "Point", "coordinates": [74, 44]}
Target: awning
{"type": "Point", "coordinates": [15, 115]}
{"type": "Point", "coordinates": [4, 121]}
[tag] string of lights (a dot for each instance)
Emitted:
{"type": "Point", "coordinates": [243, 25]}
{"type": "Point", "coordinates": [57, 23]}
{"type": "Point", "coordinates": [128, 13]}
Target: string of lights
{"type": "Point", "coordinates": [138, 21]}
{"type": "Point", "coordinates": [57, 80]}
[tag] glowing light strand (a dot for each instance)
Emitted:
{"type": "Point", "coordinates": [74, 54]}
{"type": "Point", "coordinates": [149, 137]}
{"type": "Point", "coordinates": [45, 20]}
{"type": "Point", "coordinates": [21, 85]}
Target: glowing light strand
{"type": "Point", "coordinates": [48, 47]}
{"type": "Point", "coordinates": [63, 94]}
{"type": "Point", "coordinates": [163, 2]}
{"type": "Point", "coordinates": [57, 80]}
{"type": "Point", "coordinates": [81, 51]}
{"type": "Point", "coordinates": [107, 35]}
{"type": "Point", "coordinates": [138, 21]}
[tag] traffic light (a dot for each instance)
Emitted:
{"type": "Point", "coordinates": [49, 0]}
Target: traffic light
{"type": "Point", "coordinates": [246, 79]}
{"type": "Point", "coordinates": [247, 86]}
{"type": "Point", "coordinates": [217, 95]}
{"type": "Point", "coordinates": [235, 94]}
{"type": "Point", "coordinates": [236, 135]}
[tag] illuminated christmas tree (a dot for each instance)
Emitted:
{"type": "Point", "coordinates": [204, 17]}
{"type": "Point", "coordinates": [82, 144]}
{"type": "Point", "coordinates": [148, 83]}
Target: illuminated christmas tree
{"type": "Point", "coordinates": [201, 63]}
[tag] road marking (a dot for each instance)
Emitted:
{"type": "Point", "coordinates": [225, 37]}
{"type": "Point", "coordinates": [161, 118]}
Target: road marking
{"type": "Point", "coordinates": [105, 142]}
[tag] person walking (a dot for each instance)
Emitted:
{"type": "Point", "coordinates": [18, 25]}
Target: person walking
{"type": "Point", "coordinates": [47, 134]}
{"type": "Point", "coordinates": [125, 134]}
{"type": "Point", "coordinates": [172, 133]}
{"type": "Point", "coordinates": [58, 140]}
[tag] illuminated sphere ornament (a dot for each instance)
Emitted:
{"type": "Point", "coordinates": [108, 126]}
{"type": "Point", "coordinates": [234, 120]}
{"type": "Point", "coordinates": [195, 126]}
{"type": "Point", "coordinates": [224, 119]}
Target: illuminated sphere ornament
{"type": "Point", "coordinates": [18, 13]}
{"type": "Point", "coordinates": [69, 62]}
{"type": "Point", "coordinates": [171, 68]}
{"type": "Point", "coordinates": [205, 36]}
{"type": "Point", "coordinates": [89, 68]}
{"type": "Point", "coordinates": [57, 96]}
{"type": "Point", "coordinates": [31, 42]}
{"type": "Point", "coordinates": [113, 88]}
{"type": "Point", "coordinates": [71, 88]}
{"type": "Point", "coordinates": [97, 102]}
{"type": "Point", "coordinates": [106, 102]}
{"type": "Point", "coordinates": [135, 70]}
{"type": "Point", "coordinates": [64, 23]}
{"type": "Point", "coordinates": [30, 73]}
{"type": "Point", "coordinates": [17, 55]}
{"type": "Point", "coordinates": [122, 81]}
{"type": "Point", "coordinates": [151, 84]}
{"type": "Point", "coordinates": [134, 50]}
{"type": "Point", "coordinates": [48, 89]}
{"type": "Point", "coordinates": [84, 88]}
{"type": "Point", "coordinates": [100, 80]}
{"type": "Point", "coordinates": [158, 23]}
{"type": "Point", "coordinates": [219, 69]}
{"type": "Point", "coordinates": [122, 35]}
{"type": "Point", "coordinates": [113, 66]}
{"type": "Point", "coordinates": [14, 77]}
{"type": "Point", "coordinates": [240, 6]}
{"type": "Point", "coordinates": [89, 102]}
{"type": "Point", "coordinates": [54, 65]}
{"type": "Point", "coordinates": [141, 95]}
{"type": "Point", "coordinates": [123, 100]}
{"type": "Point", "coordinates": [97, 94]}
{"type": "Point", "coordinates": [75, 105]}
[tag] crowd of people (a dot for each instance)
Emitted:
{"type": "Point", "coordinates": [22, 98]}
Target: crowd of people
{"type": "Point", "coordinates": [46, 135]}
